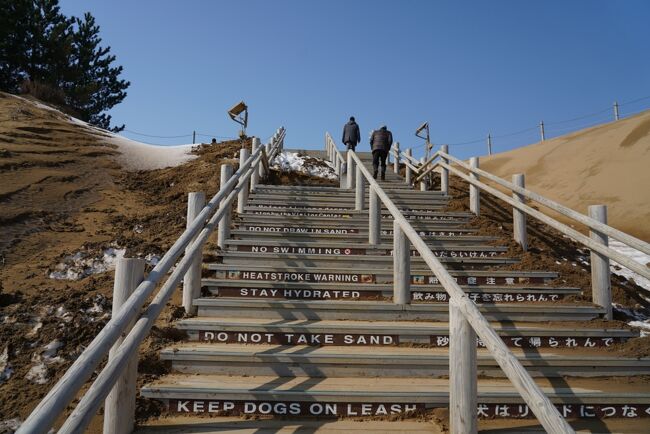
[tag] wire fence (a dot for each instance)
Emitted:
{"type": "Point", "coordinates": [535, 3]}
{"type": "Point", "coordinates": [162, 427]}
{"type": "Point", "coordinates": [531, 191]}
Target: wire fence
{"type": "Point", "coordinates": [190, 137]}
{"type": "Point", "coordinates": [560, 127]}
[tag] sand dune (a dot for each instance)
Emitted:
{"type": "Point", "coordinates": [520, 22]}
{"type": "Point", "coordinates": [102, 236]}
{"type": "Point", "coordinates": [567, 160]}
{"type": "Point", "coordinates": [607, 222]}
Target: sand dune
{"type": "Point", "coordinates": [608, 164]}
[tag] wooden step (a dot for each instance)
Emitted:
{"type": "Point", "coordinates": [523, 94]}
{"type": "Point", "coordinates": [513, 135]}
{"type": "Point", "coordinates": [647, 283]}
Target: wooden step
{"type": "Point", "coordinates": [255, 330]}
{"type": "Point", "coordinates": [372, 310]}
{"type": "Point", "coordinates": [180, 424]}
{"type": "Point", "coordinates": [329, 361]}
{"type": "Point", "coordinates": [419, 276]}
{"type": "Point", "coordinates": [302, 234]}
{"type": "Point", "coordinates": [367, 397]}
{"type": "Point", "coordinates": [422, 293]}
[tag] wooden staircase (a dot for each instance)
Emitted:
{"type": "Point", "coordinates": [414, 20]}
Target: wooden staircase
{"type": "Point", "coordinates": [296, 323]}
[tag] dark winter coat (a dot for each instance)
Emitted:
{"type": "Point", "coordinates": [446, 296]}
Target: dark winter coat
{"type": "Point", "coordinates": [351, 133]}
{"type": "Point", "coordinates": [381, 139]}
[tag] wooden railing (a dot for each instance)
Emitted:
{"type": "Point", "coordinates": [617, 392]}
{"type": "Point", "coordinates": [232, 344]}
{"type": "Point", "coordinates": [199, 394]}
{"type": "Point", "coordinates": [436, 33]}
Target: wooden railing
{"type": "Point", "coordinates": [465, 319]}
{"type": "Point", "coordinates": [129, 325]}
{"type": "Point", "coordinates": [596, 221]}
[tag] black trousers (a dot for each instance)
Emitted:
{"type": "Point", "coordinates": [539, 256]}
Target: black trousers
{"type": "Point", "coordinates": [379, 155]}
{"type": "Point", "coordinates": [351, 145]}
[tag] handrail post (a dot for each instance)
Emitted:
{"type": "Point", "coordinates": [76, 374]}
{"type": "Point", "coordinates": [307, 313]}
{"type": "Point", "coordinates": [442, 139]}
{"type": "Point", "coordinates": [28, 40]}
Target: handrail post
{"type": "Point", "coordinates": [601, 285]}
{"type": "Point", "coordinates": [119, 405]}
{"type": "Point", "coordinates": [223, 232]}
{"type": "Point", "coordinates": [192, 279]}
{"type": "Point", "coordinates": [255, 177]}
{"type": "Point", "coordinates": [374, 218]}
{"type": "Point", "coordinates": [351, 171]}
{"type": "Point", "coordinates": [242, 197]}
{"type": "Point", "coordinates": [263, 173]}
{"type": "Point", "coordinates": [444, 174]}
{"type": "Point", "coordinates": [396, 162]}
{"type": "Point", "coordinates": [409, 152]}
{"type": "Point", "coordinates": [462, 372]}
{"type": "Point", "coordinates": [343, 175]}
{"type": "Point", "coordinates": [423, 181]}
{"type": "Point", "coordinates": [401, 266]}
{"type": "Point", "coordinates": [519, 217]}
{"type": "Point", "coordinates": [474, 192]}
{"type": "Point", "coordinates": [360, 192]}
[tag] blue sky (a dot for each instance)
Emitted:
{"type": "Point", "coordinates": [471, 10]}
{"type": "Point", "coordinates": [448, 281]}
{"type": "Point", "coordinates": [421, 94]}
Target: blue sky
{"type": "Point", "coordinates": [468, 67]}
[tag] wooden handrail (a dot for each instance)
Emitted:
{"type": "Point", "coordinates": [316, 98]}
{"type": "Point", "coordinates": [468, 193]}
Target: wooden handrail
{"type": "Point", "coordinates": [638, 268]}
{"type": "Point", "coordinates": [539, 403]}
{"type": "Point", "coordinates": [64, 391]}
{"type": "Point", "coordinates": [568, 212]}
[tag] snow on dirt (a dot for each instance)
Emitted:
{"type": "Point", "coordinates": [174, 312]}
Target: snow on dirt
{"type": "Point", "coordinates": [83, 264]}
{"type": "Point", "coordinates": [134, 155]}
{"type": "Point", "coordinates": [633, 254]}
{"type": "Point", "coordinates": [640, 318]}
{"type": "Point", "coordinates": [294, 162]}
{"type": "Point", "coordinates": [5, 367]}
{"type": "Point", "coordinates": [143, 156]}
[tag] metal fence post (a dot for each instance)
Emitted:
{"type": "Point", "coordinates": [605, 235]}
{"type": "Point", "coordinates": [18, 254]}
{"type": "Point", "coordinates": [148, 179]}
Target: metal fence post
{"type": "Point", "coordinates": [374, 218]}
{"type": "Point", "coordinates": [223, 232]}
{"type": "Point", "coordinates": [444, 173]}
{"type": "Point", "coordinates": [119, 406]}
{"type": "Point", "coordinates": [360, 191]}
{"type": "Point", "coordinates": [409, 152]}
{"type": "Point", "coordinates": [462, 373]}
{"type": "Point", "coordinates": [192, 278]}
{"type": "Point", "coordinates": [255, 177]}
{"type": "Point", "coordinates": [474, 192]}
{"type": "Point", "coordinates": [519, 217]}
{"type": "Point", "coordinates": [601, 284]}
{"type": "Point", "coordinates": [242, 196]}
{"type": "Point", "coordinates": [401, 266]}
{"type": "Point", "coordinates": [397, 158]}
{"type": "Point", "coordinates": [351, 171]}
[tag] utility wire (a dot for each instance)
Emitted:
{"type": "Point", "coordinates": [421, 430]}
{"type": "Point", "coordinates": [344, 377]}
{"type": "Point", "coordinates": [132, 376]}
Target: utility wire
{"type": "Point", "coordinates": [158, 137]}
{"type": "Point", "coordinates": [635, 100]}
{"type": "Point", "coordinates": [608, 109]}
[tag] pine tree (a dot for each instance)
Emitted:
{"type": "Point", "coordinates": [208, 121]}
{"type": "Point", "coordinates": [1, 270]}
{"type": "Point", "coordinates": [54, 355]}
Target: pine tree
{"type": "Point", "coordinates": [58, 59]}
{"type": "Point", "coordinates": [96, 86]}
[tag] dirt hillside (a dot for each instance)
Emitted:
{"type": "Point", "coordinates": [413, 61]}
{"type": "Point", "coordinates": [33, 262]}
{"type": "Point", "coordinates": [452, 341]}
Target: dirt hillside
{"type": "Point", "coordinates": [66, 198]}
{"type": "Point", "coordinates": [606, 164]}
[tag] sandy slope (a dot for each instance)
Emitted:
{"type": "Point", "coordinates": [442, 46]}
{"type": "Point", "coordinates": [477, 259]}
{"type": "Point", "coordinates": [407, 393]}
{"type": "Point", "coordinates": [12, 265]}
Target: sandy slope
{"type": "Point", "coordinates": [608, 164]}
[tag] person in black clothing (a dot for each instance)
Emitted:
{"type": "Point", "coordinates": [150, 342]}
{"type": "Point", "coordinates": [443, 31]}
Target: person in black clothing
{"type": "Point", "coordinates": [351, 135]}
{"type": "Point", "coordinates": [380, 141]}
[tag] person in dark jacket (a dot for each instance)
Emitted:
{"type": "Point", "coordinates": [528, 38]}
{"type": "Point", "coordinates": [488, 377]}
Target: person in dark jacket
{"type": "Point", "coordinates": [351, 134]}
{"type": "Point", "coordinates": [380, 142]}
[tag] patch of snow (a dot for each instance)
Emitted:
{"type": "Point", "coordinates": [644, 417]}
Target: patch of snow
{"type": "Point", "coordinates": [63, 314]}
{"type": "Point", "coordinates": [38, 324]}
{"type": "Point", "coordinates": [50, 350]}
{"type": "Point", "coordinates": [294, 162]}
{"type": "Point", "coordinates": [81, 265]}
{"type": "Point", "coordinates": [633, 254]}
{"type": "Point", "coordinates": [10, 425]}
{"type": "Point", "coordinates": [5, 367]}
{"type": "Point", "coordinates": [143, 156]}
{"type": "Point", "coordinates": [134, 155]}
{"type": "Point", "coordinates": [152, 259]}
{"type": "Point", "coordinates": [37, 373]}
{"type": "Point", "coordinates": [643, 325]}
{"type": "Point", "coordinates": [95, 309]}
{"type": "Point", "coordinates": [640, 318]}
